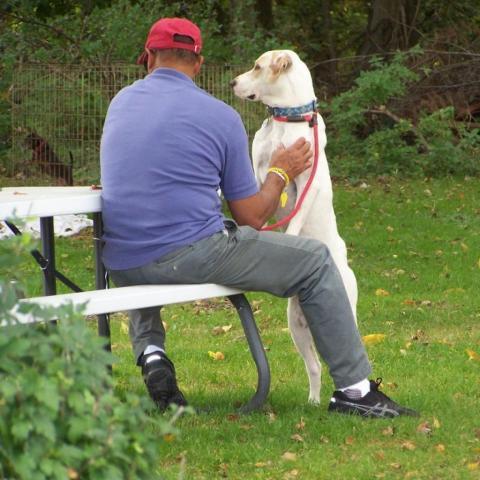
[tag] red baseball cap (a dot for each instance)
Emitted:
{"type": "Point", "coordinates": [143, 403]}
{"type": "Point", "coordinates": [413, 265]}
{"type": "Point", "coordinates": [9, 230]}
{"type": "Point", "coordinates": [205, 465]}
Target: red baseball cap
{"type": "Point", "coordinates": [173, 33]}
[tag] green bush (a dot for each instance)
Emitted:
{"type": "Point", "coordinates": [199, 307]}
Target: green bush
{"type": "Point", "coordinates": [59, 417]}
{"type": "Point", "coordinates": [367, 136]}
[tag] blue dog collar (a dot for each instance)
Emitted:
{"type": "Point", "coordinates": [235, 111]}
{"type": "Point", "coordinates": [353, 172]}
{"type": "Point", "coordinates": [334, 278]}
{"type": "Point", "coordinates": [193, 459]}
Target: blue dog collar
{"type": "Point", "coordinates": [292, 111]}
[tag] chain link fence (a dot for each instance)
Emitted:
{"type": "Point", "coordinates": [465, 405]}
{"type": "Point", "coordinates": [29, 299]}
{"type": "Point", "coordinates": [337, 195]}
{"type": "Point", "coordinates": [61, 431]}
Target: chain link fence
{"type": "Point", "coordinates": [58, 113]}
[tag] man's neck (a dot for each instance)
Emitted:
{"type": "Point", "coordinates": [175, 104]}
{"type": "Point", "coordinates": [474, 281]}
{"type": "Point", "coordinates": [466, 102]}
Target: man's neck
{"type": "Point", "coordinates": [180, 67]}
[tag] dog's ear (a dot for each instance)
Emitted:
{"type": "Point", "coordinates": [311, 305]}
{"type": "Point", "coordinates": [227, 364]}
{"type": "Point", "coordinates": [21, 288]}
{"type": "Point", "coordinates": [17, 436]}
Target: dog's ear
{"type": "Point", "coordinates": [281, 63]}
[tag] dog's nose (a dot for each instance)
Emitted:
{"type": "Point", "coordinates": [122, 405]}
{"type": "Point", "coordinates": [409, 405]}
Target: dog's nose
{"type": "Point", "coordinates": [233, 82]}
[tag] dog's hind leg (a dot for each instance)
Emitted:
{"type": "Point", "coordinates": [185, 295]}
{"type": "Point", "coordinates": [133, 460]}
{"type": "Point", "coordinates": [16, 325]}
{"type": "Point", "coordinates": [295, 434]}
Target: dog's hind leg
{"type": "Point", "coordinates": [303, 340]}
{"type": "Point", "coordinates": [330, 237]}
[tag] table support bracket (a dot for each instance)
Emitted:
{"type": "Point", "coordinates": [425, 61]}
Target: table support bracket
{"type": "Point", "coordinates": [45, 263]}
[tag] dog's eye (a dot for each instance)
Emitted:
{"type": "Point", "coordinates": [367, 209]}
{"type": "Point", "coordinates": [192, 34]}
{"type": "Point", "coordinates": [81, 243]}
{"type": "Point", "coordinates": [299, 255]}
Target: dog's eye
{"type": "Point", "coordinates": [257, 67]}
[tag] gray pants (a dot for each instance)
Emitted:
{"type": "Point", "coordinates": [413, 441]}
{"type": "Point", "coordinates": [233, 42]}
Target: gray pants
{"type": "Point", "coordinates": [272, 262]}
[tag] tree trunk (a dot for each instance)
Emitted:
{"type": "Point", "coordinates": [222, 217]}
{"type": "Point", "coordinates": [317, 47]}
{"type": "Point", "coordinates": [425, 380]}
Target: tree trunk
{"type": "Point", "coordinates": [328, 33]}
{"type": "Point", "coordinates": [390, 26]}
{"type": "Point", "coordinates": [264, 9]}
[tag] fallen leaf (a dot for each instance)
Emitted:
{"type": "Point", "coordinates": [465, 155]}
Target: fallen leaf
{"type": "Point", "coordinates": [223, 470]}
{"type": "Point", "coordinates": [216, 355]}
{"type": "Point", "coordinates": [349, 441]}
{"type": "Point", "coordinates": [424, 428]}
{"type": "Point", "coordinates": [436, 422]}
{"type": "Point", "coordinates": [261, 464]}
{"type": "Point", "coordinates": [300, 425]}
{"type": "Point", "coordinates": [388, 432]}
{"type": "Point", "coordinates": [221, 330]}
{"type": "Point", "coordinates": [411, 474]}
{"type": "Point", "coordinates": [380, 292]}
{"type": "Point", "coordinates": [454, 290]}
{"type": "Point", "coordinates": [440, 448]}
{"type": "Point", "coordinates": [358, 226]}
{"type": "Point", "coordinates": [233, 417]}
{"type": "Point", "coordinates": [380, 455]}
{"type": "Point", "coordinates": [290, 456]}
{"type": "Point", "coordinates": [390, 229]}
{"type": "Point", "coordinates": [473, 465]}
{"type": "Point", "coordinates": [373, 338]}
{"type": "Point", "coordinates": [396, 466]}
{"type": "Point", "coordinates": [72, 474]}
{"type": "Point", "coordinates": [408, 445]}
{"type": "Point", "coordinates": [271, 417]}
{"type": "Point", "coordinates": [291, 474]}
{"type": "Point", "coordinates": [169, 437]}
{"type": "Point", "coordinates": [124, 327]}
{"type": "Point", "coordinates": [297, 437]}
{"type": "Point", "coordinates": [473, 355]}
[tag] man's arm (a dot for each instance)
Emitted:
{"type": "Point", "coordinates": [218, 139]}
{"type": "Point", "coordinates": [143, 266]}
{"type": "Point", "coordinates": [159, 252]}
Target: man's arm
{"type": "Point", "coordinates": [257, 209]}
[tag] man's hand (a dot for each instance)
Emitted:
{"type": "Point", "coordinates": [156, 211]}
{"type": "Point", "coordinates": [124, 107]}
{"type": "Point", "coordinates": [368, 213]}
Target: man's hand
{"type": "Point", "coordinates": [294, 159]}
{"type": "Point", "coordinates": [257, 209]}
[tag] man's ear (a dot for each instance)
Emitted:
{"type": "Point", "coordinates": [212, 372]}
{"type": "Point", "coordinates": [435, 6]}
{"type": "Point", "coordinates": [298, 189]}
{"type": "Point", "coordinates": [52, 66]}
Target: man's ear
{"type": "Point", "coordinates": [150, 60]}
{"type": "Point", "coordinates": [280, 63]}
{"type": "Point", "coordinates": [198, 65]}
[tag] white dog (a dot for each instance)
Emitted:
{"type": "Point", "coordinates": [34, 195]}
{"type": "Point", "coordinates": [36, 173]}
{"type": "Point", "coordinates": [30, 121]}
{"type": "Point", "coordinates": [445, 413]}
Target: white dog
{"type": "Point", "coordinates": [283, 82]}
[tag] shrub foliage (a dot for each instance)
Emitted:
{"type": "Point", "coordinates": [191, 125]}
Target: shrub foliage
{"type": "Point", "coordinates": [59, 418]}
{"type": "Point", "coordinates": [366, 135]}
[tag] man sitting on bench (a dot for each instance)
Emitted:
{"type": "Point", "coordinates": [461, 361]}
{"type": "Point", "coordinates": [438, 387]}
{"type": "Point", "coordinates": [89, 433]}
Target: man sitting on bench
{"type": "Point", "coordinates": [166, 150]}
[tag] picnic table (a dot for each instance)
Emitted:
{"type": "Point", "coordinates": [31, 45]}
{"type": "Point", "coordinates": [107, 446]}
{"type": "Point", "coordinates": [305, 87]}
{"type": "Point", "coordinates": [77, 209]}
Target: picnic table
{"type": "Point", "coordinates": [48, 202]}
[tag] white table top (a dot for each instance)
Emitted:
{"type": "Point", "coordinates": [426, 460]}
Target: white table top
{"type": "Point", "coordinates": [17, 202]}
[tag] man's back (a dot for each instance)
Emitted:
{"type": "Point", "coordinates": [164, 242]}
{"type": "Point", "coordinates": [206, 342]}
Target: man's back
{"type": "Point", "coordinates": [167, 148]}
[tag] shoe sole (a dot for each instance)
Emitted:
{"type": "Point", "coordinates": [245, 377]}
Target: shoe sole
{"type": "Point", "coordinates": [376, 411]}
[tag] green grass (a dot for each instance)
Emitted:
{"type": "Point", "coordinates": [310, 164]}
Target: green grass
{"type": "Point", "coordinates": [417, 240]}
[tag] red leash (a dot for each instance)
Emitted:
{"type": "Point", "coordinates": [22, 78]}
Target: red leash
{"type": "Point", "coordinates": [312, 122]}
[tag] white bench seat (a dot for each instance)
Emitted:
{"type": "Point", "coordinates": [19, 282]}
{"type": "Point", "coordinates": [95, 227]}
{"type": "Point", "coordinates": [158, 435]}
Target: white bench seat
{"type": "Point", "coordinates": [99, 302]}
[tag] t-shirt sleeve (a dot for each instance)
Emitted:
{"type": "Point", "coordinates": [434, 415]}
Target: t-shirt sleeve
{"type": "Point", "coordinates": [238, 180]}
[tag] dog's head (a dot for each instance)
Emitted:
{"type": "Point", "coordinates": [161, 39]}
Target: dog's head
{"type": "Point", "coordinates": [278, 78]}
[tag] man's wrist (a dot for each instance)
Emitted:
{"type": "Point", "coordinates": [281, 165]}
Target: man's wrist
{"type": "Point", "coordinates": [280, 172]}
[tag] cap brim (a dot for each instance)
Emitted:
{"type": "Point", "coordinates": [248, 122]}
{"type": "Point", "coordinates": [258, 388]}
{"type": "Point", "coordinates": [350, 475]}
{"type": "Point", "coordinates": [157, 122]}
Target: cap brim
{"type": "Point", "coordinates": [142, 58]}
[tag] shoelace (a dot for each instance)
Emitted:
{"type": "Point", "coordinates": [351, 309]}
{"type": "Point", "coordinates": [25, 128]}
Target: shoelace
{"type": "Point", "coordinates": [375, 388]}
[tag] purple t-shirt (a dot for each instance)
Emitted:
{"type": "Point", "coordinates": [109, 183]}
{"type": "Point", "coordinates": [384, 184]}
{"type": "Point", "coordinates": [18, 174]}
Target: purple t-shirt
{"type": "Point", "coordinates": [166, 149]}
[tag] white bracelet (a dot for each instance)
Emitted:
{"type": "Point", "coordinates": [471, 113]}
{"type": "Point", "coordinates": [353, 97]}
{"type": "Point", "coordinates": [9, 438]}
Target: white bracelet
{"type": "Point", "coordinates": [279, 174]}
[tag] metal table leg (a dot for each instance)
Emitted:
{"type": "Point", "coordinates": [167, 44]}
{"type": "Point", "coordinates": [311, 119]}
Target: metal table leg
{"type": "Point", "coordinates": [100, 276]}
{"type": "Point", "coordinates": [258, 352]}
{"type": "Point", "coordinates": [48, 250]}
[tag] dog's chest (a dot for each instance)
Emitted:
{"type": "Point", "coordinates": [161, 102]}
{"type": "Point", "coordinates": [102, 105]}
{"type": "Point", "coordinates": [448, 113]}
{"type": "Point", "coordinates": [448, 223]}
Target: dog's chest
{"type": "Point", "coordinates": [271, 135]}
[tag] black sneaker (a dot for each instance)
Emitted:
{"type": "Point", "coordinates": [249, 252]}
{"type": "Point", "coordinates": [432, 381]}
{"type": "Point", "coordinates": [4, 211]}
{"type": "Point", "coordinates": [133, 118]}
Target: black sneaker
{"type": "Point", "coordinates": [374, 404]}
{"type": "Point", "coordinates": [159, 377]}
